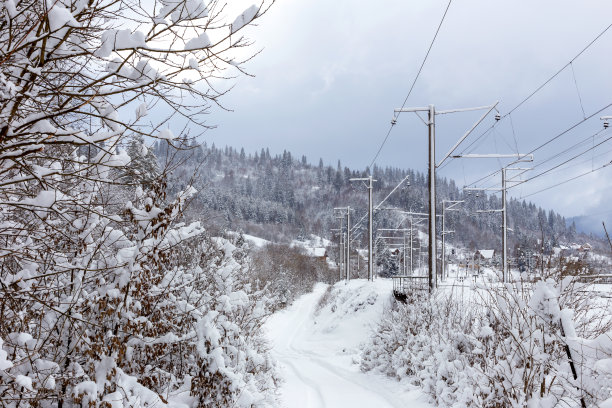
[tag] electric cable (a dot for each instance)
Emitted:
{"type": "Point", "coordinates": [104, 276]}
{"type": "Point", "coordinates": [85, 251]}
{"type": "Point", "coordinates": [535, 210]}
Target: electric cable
{"type": "Point", "coordinates": [568, 180]}
{"type": "Point", "coordinates": [538, 89]}
{"type": "Point", "coordinates": [413, 84]}
{"type": "Point", "coordinates": [557, 136]}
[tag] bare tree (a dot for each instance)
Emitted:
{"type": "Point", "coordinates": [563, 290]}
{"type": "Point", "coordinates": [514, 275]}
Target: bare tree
{"type": "Point", "coordinates": [84, 262]}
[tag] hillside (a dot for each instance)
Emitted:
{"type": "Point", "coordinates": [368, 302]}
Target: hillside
{"type": "Point", "coordinates": [281, 198]}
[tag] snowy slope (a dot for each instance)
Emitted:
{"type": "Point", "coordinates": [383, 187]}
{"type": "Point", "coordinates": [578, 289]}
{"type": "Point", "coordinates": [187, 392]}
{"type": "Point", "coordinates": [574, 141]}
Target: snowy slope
{"type": "Point", "coordinates": [318, 350]}
{"type": "Point", "coordinates": [313, 246]}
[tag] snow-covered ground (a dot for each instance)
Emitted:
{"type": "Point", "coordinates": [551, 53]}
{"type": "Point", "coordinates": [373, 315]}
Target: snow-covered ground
{"type": "Point", "coordinates": [318, 350]}
{"type": "Point", "coordinates": [313, 246]}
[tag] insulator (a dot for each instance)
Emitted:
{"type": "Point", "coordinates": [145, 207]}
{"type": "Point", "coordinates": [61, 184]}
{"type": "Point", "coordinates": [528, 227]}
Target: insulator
{"type": "Point", "coordinates": [497, 116]}
{"type": "Point", "coordinates": [606, 124]}
{"type": "Point", "coordinates": [393, 121]}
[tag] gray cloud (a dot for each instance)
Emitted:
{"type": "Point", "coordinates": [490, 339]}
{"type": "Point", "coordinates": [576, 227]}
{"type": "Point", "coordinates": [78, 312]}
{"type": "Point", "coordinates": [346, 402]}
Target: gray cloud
{"type": "Point", "coordinates": [332, 72]}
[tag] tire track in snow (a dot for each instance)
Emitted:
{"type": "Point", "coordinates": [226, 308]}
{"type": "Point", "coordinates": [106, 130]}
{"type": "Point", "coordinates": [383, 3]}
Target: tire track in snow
{"type": "Point", "coordinates": [282, 350]}
{"type": "Point", "coordinates": [315, 376]}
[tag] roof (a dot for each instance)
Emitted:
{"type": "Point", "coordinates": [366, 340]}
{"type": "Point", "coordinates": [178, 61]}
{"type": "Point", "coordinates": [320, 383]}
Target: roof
{"type": "Point", "coordinates": [486, 253]}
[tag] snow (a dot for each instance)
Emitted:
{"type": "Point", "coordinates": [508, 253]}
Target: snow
{"type": "Point", "coordinates": [313, 246]}
{"type": "Point", "coordinates": [166, 134]}
{"type": "Point", "coordinates": [318, 351]}
{"type": "Point", "coordinates": [141, 111]}
{"type": "Point", "coordinates": [9, 6]}
{"type": "Point", "coordinates": [256, 241]}
{"type": "Point", "coordinates": [245, 18]}
{"type": "Point", "coordinates": [486, 253]}
{"type": "Point", "coordinates": [25, 382]}
{"type": "Point", "coordinates": [60, 17]}
{"type": "Point", "coordinates": [44, 199]}
{"type": "Point", "coordinates": [5, 364]}
{"type": "Point", "coordinates": [201, 41]}
{"type": "Point", "coordinates": [182, 10]}
{"type": "Point", "coordinates": [144, 72]}
{"type": "Point", "coordinates": [119, 39]}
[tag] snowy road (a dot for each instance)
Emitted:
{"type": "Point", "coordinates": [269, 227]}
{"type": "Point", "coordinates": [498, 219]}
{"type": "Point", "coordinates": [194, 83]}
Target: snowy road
{"type": "Point", "coordinates": [318, 352]}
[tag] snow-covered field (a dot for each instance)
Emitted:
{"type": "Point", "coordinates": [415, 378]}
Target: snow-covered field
{"type": "Point", "coordinates": [318, 350]}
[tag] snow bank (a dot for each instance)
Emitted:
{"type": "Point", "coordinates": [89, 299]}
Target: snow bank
{"type": "Point", "coordinates": [317, 343]}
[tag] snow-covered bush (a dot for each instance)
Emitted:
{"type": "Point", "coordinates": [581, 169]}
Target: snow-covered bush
{"type": "Point", "coordinates": [508, 346]}
{"type": "Point", "coordinates": [170, 319]}
{"type": "Point", "coordinates": [424, 342]}
{"type": "Point", "coordinates": [106, 297]}
{"type": "Point", "coordinates": [531, 356]}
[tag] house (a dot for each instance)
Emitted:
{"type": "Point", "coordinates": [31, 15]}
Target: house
{"type": "Point", "coordinates": [485, 255]}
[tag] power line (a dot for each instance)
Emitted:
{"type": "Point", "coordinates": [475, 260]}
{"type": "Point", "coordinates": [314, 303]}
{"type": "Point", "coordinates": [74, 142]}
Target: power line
{"type": "Point", "coordinates": [381, 146]}
{"type": "Point", "coordinates": [557, 136]}
{"type": "Point", "coordinates": [413, 83]}
{"type": "Point", "coordinates": [485, 132]}
{"type": "Point", "coordinates": [559, 71]}
{"type": "Point", "coordinates": [575, 145]}
{"type": "Point", "coordinates": [575, 125]}
{"type": "Point", "coordinates": [559, 154]}
{"type": "Point", "coordinates": [561, 164]}
{"type": "Point", "coordinates": [566, 161]}
{"type": "Point", "coordinates": [580, 163]}
{"type": "Point", "coordinates": [578, 90]}
{"type": "Point", "coordinates": [403, 105]}
{"type": "Point", "coordinates": [358, 223]}
{"type": "Point", "coordinates": [568, 180]}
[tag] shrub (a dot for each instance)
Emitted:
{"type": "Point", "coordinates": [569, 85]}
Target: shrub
{"type": "Point", "coordinates": [506, 346]}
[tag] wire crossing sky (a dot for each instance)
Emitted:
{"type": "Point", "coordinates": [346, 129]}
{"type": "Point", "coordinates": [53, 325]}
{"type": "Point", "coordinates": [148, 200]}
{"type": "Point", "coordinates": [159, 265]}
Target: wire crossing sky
{"type": "Point", "coordinates": [331, 74]}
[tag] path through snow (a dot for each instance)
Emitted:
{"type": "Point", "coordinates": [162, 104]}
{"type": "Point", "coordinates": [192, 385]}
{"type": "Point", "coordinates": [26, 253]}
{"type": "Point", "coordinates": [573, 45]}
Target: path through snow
{"type": "Point", "coordinates": [318, 352]}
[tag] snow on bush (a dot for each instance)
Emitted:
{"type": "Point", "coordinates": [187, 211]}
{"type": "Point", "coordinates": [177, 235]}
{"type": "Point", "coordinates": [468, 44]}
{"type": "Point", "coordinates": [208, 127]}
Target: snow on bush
{"type": "Point", "coordinates": [171, 320]}
{"type": "Point", "coordinates": [505, 347]}
{"type": "Point", "coordinates": [107, 297]}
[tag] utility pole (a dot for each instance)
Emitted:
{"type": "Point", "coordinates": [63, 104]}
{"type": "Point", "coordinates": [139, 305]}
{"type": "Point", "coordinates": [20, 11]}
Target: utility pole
{"type": "Point", "coordinates": [343, 272]}
{"type": "Point", "coordinates": [411, 253]}
{"type": "Point", "coordinates": [503, 210]}
{"type": "Point", "coordinates": [420, 217]}
{"type": "Point", "coordinates": [347, 239]}
{"type": "Point", "coordinates": [505, 277]}
{"type": "Point", "coordinates": [452, 206]}
{"type": "Point", "coordinates": [431, 125]}
{"type": "Point", "coordinates": [403, 237]}
{"type": "Point", "coordinates": [413, 223]}
{"type": "Point", "coordinates": [340, 250]}
{"type": "Point", "coordinates": [433, 258]}
{"type": "Point", "coordinates": [404, 269]}
{"type": "Point", "coordinates": [348, 242]}
{"type": "Point", "coordinates": [370, 180]}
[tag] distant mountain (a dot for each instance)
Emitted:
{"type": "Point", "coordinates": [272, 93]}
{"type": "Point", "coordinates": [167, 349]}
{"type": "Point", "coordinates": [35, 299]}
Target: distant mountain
{"type": "Point", "coordinates": [591, 224]}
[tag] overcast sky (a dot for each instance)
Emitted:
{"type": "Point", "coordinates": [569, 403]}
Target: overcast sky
{"type": "Point", "coordinates": [331, 73]}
